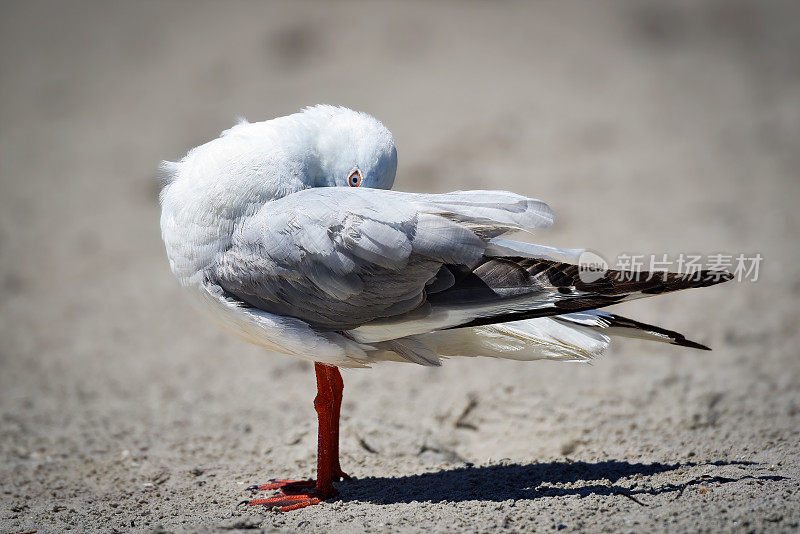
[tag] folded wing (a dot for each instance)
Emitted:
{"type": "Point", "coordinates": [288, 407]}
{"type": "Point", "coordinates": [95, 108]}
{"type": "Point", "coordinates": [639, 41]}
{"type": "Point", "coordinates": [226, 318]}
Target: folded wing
{"type": "Point", "coordinates": [411, 276]}
{"type": "Point", "coordinates": [338, 258]}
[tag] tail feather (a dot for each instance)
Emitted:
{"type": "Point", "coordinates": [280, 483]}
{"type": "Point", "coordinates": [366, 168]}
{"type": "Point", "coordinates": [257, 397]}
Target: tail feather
{"type": "Point", "coordinates": [617, 325]}
{"type": "Point", "coordinates": [543, 338]}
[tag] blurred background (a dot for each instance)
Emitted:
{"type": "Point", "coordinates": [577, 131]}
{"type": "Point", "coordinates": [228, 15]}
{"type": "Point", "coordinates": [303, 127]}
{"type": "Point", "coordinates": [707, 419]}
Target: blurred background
{"type": "Point", "coordinates": [649, 127]}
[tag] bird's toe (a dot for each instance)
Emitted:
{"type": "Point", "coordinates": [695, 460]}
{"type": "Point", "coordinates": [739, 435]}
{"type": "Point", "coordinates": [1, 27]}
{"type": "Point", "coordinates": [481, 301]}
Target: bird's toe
{"type": "Point", "coordinates": [286, 486]}
{"type": "Point", "coordinates": [285, 502]}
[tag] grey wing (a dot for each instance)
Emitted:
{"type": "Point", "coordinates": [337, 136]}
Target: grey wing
{"type": "Point", "coordinates": [337, 258]}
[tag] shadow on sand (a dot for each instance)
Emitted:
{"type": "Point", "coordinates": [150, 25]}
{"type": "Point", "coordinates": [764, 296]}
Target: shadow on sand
{"type": "Point", "coordinates": [552, 479]}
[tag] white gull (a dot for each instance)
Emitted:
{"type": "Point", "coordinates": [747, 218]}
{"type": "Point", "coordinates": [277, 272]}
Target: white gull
{"type": "Point", "coordinates": [287, 233]}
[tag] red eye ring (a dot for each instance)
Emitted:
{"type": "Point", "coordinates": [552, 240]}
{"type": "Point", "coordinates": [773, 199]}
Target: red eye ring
{"type": "Point", "coordinates": [355, 179]}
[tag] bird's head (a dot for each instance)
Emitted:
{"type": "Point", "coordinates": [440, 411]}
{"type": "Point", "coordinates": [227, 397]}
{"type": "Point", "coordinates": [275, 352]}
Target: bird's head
{"type": "Point", "coordinates": [353, 149]}
{"type": "Point", "coordinates": [252, 163]}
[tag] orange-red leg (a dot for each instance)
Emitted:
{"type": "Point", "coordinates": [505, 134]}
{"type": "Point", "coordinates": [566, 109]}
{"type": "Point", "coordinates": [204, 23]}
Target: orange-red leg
{"type": "Point", "coordinates": [324, 405]}
{"type": "Point", "coordinates": [337, 386]}
{"type": "Point", "coordinates": [301, 493]}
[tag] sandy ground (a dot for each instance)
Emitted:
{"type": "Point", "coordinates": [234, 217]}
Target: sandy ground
{"type": "Point", "coordinates": [650, 128]}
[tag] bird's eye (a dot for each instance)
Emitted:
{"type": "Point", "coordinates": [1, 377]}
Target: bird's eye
{"type": "Point", "coordinates": [355, 179]}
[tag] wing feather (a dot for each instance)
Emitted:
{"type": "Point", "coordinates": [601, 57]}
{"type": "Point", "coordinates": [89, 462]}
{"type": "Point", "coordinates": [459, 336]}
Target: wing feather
{"type": "Point", "coordinates": [340, 257]}
{"type": "Point", "coordinates": [381, 267]}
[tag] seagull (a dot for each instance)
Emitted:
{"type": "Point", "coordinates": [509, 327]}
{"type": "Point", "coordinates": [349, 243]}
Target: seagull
{"type": "Point", "coordinates": [288, 233]}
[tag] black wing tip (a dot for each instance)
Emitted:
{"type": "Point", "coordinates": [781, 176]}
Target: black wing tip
{"type": "Point", "coordinates": [677, 282]}
{"type": "Point", "coordinates": [675, 338]}
{"type": "Point", "coordinates": [691, 344]}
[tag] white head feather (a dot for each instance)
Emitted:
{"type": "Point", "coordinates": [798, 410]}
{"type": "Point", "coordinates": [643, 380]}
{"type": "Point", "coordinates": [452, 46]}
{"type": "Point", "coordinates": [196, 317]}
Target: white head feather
{"type": "Point", "coordinates": [219, 182]}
